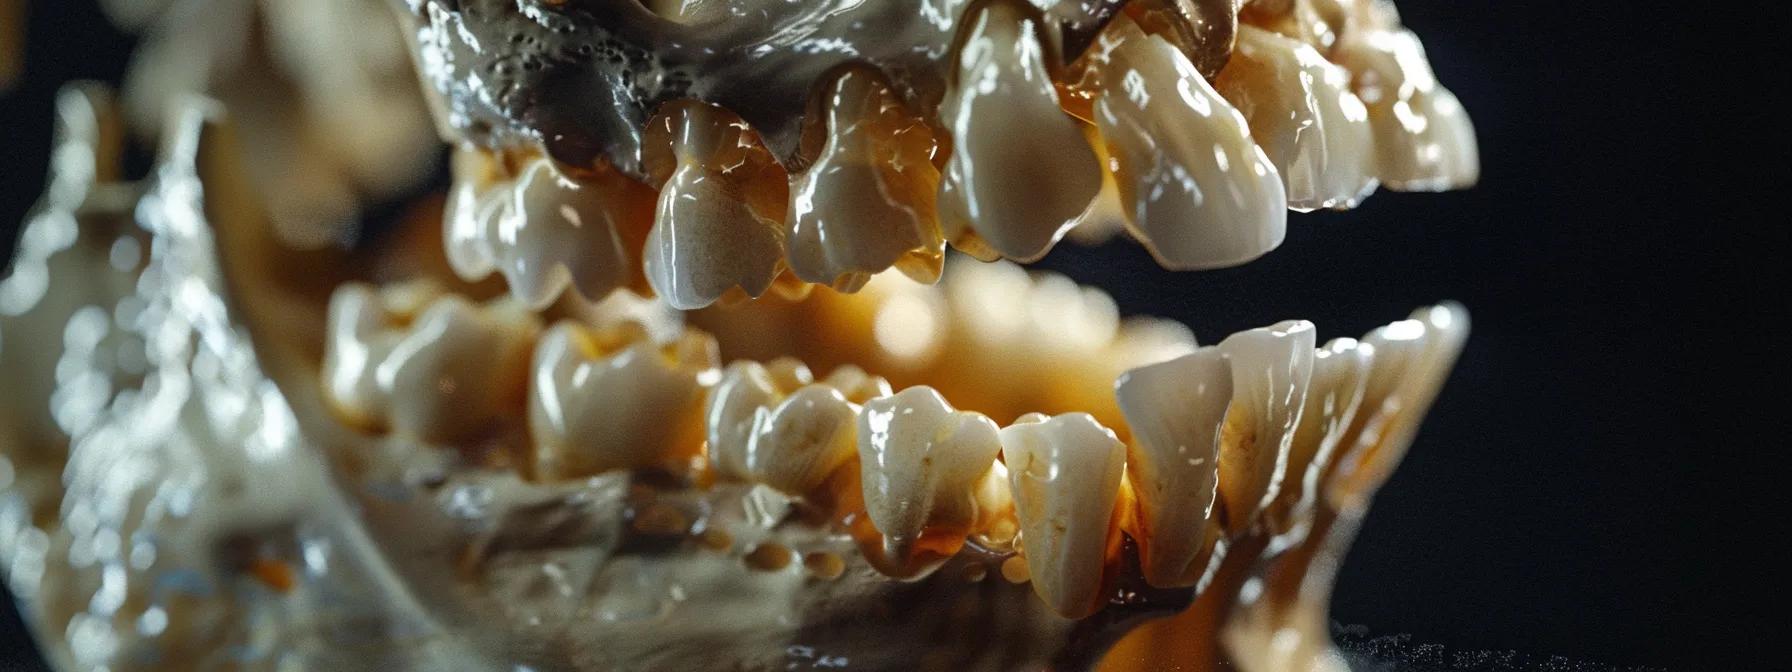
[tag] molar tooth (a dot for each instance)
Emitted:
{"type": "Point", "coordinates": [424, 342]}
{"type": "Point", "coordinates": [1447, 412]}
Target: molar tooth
{"type": "Point", "coordinates": [746, 388]}
{"type": "Point", "coordinates": [613, 399]}
{"type": "Point", "coordinates": [1424, 140]}
{"type": "Point", "coordinates": [1340, 369]}
{"type": "Point", "coordinates": [1302, 112]}
{"type": "Point", "coordinates": [1412, 359]}
{"type": "Point", "coordinates": [1194, 187]}
{"type": "Point", "coordinates": [718, 224]}
{"type": "Point", "coordinates": [923, 465]}
{"type": "Point", "coordinates": [867, 202]}
{"type": "Point", "coordinates": [1175, 410]}
{"type": "Point", "coordinates": [1021, 172]}
{"type": "Point", "coordinates": [1065, 475]}
{"type": "Point", "coordinates": [1271, 368]}
{"type": "Point", "coordinates": [796, 446]}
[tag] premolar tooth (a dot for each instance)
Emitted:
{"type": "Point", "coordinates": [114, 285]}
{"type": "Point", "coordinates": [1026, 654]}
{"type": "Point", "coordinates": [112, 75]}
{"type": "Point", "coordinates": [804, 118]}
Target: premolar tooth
{"type": "Point", "coordinates": [922, 465]}
{"type": "Point", "coordinates": [1302, 112]}
{"type": "Point", "coordinates": [1340, 369]}
{"type": "Point", "coordinates": [1271, 369]}
{"type": "Point", "coordinates": [719, 222]}
{"type": "Point", "coordinates": [1065, 476]}
{"type": "Point", "coordinates": [746, 387]}
{"type": "Point", "coordinates": [798, 444]}
{"type": "Point", "coordinates": [1194, 186]}
{"type": "Point", "coordinates": [1424, 140]}
{"type": "Point", "coordinates": [1021, 172]}
{"type": "Point", "coordinates": [613, 399]}
{"type": "Point", "coordinates": [867, 202]}
{"type": "Point", "coordinates": [1175, 410]}
{"type": "Point", "coordinates": [1412, 359]}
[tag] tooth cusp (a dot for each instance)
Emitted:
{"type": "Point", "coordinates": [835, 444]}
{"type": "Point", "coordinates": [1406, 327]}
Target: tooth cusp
{"type": "Point", "coordinates": [1065, 473]}
{"type": "Point", "coordinates": [926, 471]}
{"type": "Point", "coordinates": [798, 444]}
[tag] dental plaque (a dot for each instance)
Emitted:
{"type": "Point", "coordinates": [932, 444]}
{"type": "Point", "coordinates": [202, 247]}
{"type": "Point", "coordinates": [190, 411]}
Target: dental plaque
{"type": "Point", "coordinates": [717, 352]}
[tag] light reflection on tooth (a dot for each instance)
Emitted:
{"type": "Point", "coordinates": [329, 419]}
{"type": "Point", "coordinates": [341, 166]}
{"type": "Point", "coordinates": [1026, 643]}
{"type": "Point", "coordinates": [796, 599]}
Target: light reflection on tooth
{"type": "Point", "coordinates": [1065, 476]}
{"type": "Point", "coordinates": [1202, 29]}
{"type": "Point", "coordinates": [1340, 369]}
{"type": "Point", "coordinates": [1271, 369]}
{"type": "Point", "coordinates": [856, 385]}
{"type": "Point", "coordinates": [927, 471]}
{"type": "Point", "coordinates": [1174, 410]}
{"type": "Point", "coordinates": [1412, 359]}
{"type": "Point", "coordinates": [1424, 140]}
{"type": "Point", "coordinates": [1021, 172]}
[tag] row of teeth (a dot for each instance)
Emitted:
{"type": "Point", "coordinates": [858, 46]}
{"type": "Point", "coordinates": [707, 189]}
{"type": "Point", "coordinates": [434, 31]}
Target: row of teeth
{"type": "Point", "coordinates": [1233, 438]}
{"type": "Point", "coordinates": [1202, 173]}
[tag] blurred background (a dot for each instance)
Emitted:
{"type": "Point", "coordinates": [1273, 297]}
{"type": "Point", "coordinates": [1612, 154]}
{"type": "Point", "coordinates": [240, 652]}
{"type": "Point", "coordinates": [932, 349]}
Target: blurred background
{"type": "Point", "coordinates": [1592, 488]}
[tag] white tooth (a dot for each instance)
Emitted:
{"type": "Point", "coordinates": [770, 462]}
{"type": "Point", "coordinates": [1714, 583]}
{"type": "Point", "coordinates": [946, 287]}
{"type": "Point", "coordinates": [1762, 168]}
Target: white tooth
{"type": "Point", "coordinates": [1424, 140]}
{"type": "Point", "coordinates": [1193, 185]}
{"type": "Point", "coordinates": [1301, 111]}
{"type": "Point", "coordinates": [1021, 172]}
{"type": "Point", "coordinates": [1340, 369]}
{"type": "Point", "coordinates": [922, 465]}
{"type": "Point", "coordinates": [474, 204]}
{"type": "Point", "coordinates": [1412, 359]}
{"type": "Point", "coordinates": [557, 231]}
{"type": "Point", "coordinates": [1065, 475]}
{"type": "Point", "coordinates": [745, 388]}
{"type": "Point", "coordinates": [1271, 368]}
{"type": "Point", "coordinates": [796, 446]}
{"type": "Point", "coordinates": [867, 202]}
{"type": "Point", "coordinates": [719, 222]}
{"type": "Point", "coordinates": [616, 400]}
{"type": "Point", "coordinates": [1175, 410]}
{"type": "Point", "coordinates": [857, 385]}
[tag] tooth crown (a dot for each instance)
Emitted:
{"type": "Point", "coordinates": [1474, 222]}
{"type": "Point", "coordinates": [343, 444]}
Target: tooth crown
{"type": "Point", "coordinates": [1424, 141]}
{"type": "Point", "coordinates": [1412, 358]}
{"type": "Point", "coordinates": [1175, 410]}
{"type": "Point", "coordinates": [1340, 370]}
{"type": "Point", "coordinates": [1271, 369]}
{"type": "Point", "coordinates": [1065, 474]}
{"type": "Point", "coordinates": [797, 445]}
{"type": "Point", "coordinates": [746, 388]}
{"type": "Point", "coordinates": [922, 465]}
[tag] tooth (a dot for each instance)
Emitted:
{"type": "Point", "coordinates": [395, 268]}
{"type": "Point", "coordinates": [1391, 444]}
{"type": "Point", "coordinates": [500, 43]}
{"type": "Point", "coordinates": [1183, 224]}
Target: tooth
{"type": "Point", "coordinates": [1193, 185]}
{"type": "Point", "coordinates": [744, 389]}
{"type": "Point", "coordinates": [1424, 140]}
{"type": "Point", "coordinates": [1021, 172]}
{"type": "Point", "coordinates": [1202, 29]}
{"type": "Point", "coordinates": [1065, 475]}
{"type": "Point", "coordinates": [922, 465]}
{"type": "Point", "coordinates": [867, 202]}
{"type": "Point", "coordinates": [1340, 368]}
{"type": "Point", "coordinates": [857, 385]}
{"type": "Point", "coordinates": [1271, 368]}
{"type": "Point", "coordinates": [475, 203]}
{"type": "Point", "coordinates": [1175, 410]}
{"type": "Point", "coordinates": [796, 446]}
{"type": "Point", "coordinates": [613, 399]}
{"type": "Point", "coordinates": [1302, 113]}
{"type": "Point", "coordinates": [1412, 359]}
{"type": "Point", "coordinates": [424, 365]}
{"type": "Point", "coordinates": [718, 228]}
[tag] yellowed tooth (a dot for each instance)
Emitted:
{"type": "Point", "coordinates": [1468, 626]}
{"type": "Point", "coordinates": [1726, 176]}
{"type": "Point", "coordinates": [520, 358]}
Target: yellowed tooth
{"type": "Point", "coordinates": [1424, 140]}
{"type": "Point", "coordinates": [1302, 112]}
{"type": "Point", "coordinates": [1065, 476]}
{"type": "Point", "coordinates": [745, 388]}
{"type": "Point", "coordinates": [923, 466]}
{"type": "Point", "coordinates": [719, 223]}
{"type": "Point", "coordinates": [616, 400]}
{"type": "Point", "coordinates": [856, 385]}
{"type": "Point", "coordinates": [1412, 359]}
{"type": "Point", "coordinates": [1021, 172]}
{"type": "Point", "coordinates": [1175, 410]}
{"type": "Point", "coordinates": [1271, 369]}
{"type": "Point", "coordinates": [1340, 369]}
{"type": "Point", "coordinates": [798, 444]}
{"type": "Point", "coordinates": [425, 365]}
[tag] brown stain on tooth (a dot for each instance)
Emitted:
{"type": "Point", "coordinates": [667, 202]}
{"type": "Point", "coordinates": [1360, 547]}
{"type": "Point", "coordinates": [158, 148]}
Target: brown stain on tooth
{"type": "Point", "coordinates": [1203, 29]}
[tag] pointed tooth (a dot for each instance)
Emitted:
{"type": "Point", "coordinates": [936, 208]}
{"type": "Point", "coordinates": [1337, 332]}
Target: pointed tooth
{"type": "Point", "coordinates": [1302, 113]}
{"type": "Point", "coordinates": [1194, 186]}
{"type": "Point", "coordinates": [1021, 172]}
{"type": "Point", "coordinates": [922, 465]}
{"type": "Point", "coordinates": [1065, 475]}
{"type": "Point", "coordinates": [1424, 140]}
{"type": "Point", "coordinates": [867, 201]}
{"type": "Point", "coordinates": [719, 222]}
{"type": "Point", "coordinates": [857, 385]}
{"type": "Point", "coordinates": [1412, 359]}
{"type": "Point", "coordinates": [1271, 368]}
{"type": "Point", "coordinates": [1175, 410]}
{"type": "Point", "coordinates": [1340, 369]}
{"type": "Point", "coordinates": [616, 400]}
{"type": "Point", "coordinates": [797, 445]}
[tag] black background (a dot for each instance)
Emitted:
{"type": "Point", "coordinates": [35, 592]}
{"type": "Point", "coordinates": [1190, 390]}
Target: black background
{"type": "Point", "coordinates": [1595, 481]}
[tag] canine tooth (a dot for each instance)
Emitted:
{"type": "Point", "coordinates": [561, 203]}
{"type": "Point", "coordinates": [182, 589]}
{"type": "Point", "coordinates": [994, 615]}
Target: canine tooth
{"type": "Point", "coordinates": [1271, 369]}
{"type": "Point", "coordinates": [1412, 359]}
{"type": "Point", "coordinates": [615, 400]}
{"type": "Point", "coordinates": [1424, 140]}
{"type": "Point", "coordinates": [1301, 111]}
{"type": "Point", "coordinates": [922, 465]}
{"type": "Point", "coordinates": [1175, 410]}
{"type": "Point", "coordinates": [1340, 369]}
{"type": "Point", "coordinates": [1195, 188]}
{"type": "Point", "coordinates": [1021, 172]}
{"type": "Point", "coordinates": [796, 446]}
{"type": "Point", "coordinates": [1065, 475]}
{"type": "Point", "coordinates": [718, 224]}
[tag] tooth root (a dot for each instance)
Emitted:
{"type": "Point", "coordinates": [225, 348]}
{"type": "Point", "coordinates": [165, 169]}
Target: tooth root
{"type": "Point", "coordinates": [857, 385]}
{"type": "Point", "coordinates": [1021, 172]}
{"type": "Point", "coordinates": [1065, 475]}
{"type": "Point", "coordinates": [1412, 359]}
{"type": "Point", "coordinates": [868, 201]}
{"type": "Point", "coordinates": [603, 401]}
{"type": "Point", "coordinates": [1271, 369]}
{"type": "Point", "coordinates": [797, 445]}
{"type": "Point", "coordinates": [1340, 369]}
{"type": "Point", "coordinates": [1175, 410]}
{"type": "Point", "coordinates": [923, 466]}
{"type": "Point", "coordinates": [1302, 113]}
{"type": "Point", "coordinates": [1424, 140]}
{"type": "Point", "coordinates": [718, 227]}
{"type": "Point", "coordinates": [1193, 185]}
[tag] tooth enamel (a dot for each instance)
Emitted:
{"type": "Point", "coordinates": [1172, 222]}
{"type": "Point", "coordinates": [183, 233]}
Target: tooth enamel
{"type": "Point", "coordinates": [1302, 113]}
{"type": "Point", "coordinates": [1412, 359]}
{"type": "Point", "coordinates": [1195, 188]}
{"type": "Point", "coordinates": [1175, 410]}
{"type": "Point", "coordinates": [922, 465]}
{"type": "Point", "coordinates": [433, 368]}
{"type": "Point", "coordinates": [856, 385]}
{"type": "Point", "coordinates": [1340, 369]}
{"type": "Point", "coordinates": [1065, 477]}
{"type": "Point", "coordinates": [1021, 172]}
{"type": "Point", "coordinates": [613, 399]}
{"type": "Point", "coordinates": [746, 387]}
{"type": "Point", "coordinates": [796, 446]}
{"type": "Point", "coordinates": [719, 222]}
{"type": "Point", "coordinates": [1424, 140]}
{"type": "Point", "coordinates": [475, 202]}
{"type": "Point", "coordinates": [867, 202]}
{"type": "Point", "coordinates": [1271, 369]}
